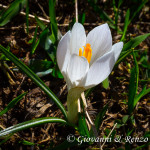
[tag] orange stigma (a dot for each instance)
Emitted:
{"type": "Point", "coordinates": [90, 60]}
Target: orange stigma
{"type": "Point", "coordinates": [87, 52]}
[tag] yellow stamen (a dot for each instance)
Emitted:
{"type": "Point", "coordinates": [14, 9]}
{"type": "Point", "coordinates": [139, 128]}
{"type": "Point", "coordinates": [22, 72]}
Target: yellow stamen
{"type": "Point", "coordinates": [87, 52]}
{"type": "Point", "coordinates": [80, 52]}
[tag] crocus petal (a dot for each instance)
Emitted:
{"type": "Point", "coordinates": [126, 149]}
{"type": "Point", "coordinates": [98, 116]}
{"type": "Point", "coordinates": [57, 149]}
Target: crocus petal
{"type": "Point", "coordinates": [77, 69]}
{"type": "Point", "coordinates": [100, 40]}
{"type": "Point", "coordinates": [63, 53]}
{"type": "Point", "coordinates": [102, 67]}
{"type": "Point", "coordinates": [78, 38]}
{"type": "Point", "coordinates": [116, 48]}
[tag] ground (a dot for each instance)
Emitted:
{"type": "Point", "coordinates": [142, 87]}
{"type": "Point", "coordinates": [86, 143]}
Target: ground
{"type": "Point", "coordinates": [36, 104]}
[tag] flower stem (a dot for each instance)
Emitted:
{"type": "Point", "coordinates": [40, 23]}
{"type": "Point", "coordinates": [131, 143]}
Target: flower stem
{"type": "Point", "coordinates": [73, 104]}
{"type": "Point", "coordinates": [76, 9]}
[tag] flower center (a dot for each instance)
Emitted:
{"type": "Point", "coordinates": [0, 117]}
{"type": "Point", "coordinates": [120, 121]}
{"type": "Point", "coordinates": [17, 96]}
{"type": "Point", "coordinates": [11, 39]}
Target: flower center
{"type": "Point", "coordinates": [87, 52]}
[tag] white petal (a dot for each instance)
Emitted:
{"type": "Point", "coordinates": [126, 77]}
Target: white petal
{"type": "Point", "coordinates": [102, 67]}
{"type": "Point", "coordinates": [100, 40]}
{"type": "Point", "coordinates": [63, 53]}
{"type": "Point", "coordinates": [99, 70]}
{"type": "Point", "coordinates": [77, 69]}
{"type": "Point", "coordinates": [78, 38]}
{"type": "Point", "coordinates": [117, 49]}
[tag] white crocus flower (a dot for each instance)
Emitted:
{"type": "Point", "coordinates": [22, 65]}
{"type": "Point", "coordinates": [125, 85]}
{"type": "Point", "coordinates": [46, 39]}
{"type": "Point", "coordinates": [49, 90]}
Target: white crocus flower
{"type": "Point", "coordinates": [86, 61]}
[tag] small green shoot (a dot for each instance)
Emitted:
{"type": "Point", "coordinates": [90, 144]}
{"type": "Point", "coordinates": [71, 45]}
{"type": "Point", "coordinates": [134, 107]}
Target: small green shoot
{"type": "Point", "coordinates": [12, 11]}
{"type": "Point", "coordinates": [12, 104]}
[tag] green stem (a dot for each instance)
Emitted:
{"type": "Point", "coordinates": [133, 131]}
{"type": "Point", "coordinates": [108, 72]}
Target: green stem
{"type": "Point", "coordinates": [73, 104]}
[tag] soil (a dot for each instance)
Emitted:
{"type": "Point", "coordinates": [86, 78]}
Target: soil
{"type": "Point", "coordinates": [36, 103]}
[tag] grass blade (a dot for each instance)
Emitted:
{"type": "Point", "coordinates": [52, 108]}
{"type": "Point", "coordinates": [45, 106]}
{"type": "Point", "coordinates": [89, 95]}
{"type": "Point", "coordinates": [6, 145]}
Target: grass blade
{"type": "Point", "coordinates": [128, 47]}
{"type": "Point", "coordinates": [123, 56]}
{"type": "Point", "coordinates": [6, 139]}
{"type": "Point", "coordinates": [133, 85]}
{"type": "Point", "coordinates": [132, 91]}
{"type": "Point", "coordinates": [99, 117]}
{"type": "Point", "coordinates": [52, 16]}
{"type": "Point", "coordinates": [137, 9]}
{"type": "Point", "coordinates": [83, 130]}
{"type": "Point", "coordinates": [12, 11]}
{"type": "Point", "coordinates": [40, 23]}
{"type": "Point", "coordinates": [139, 96]}
{"type": "Point", "coordinates": [136, 71]}
{"type": "Point", "coordinates": [101, 13]}
{"type": "Point", "coordinates": [126, 23]}
{"type": "Point", "coordinates": [119, 3]}
{"type": "Point", "coordinates": [34, 43]}
{"type": "Point", "coordinates": [105, 83]}
{"type": "Point", "coordinates": [24, 142]}
{"type": "Point", "coordinates": [89, 91]}
{"type": "Point", "coordinates": [30, 124]}
{"type": "Point", "coordinates": [34, 78]}
{"type": "Point", "coordinates": [12, 104]}
{"type": "Point", "coordinates": [82, 18]}
{"type": "Point", "coordinates": [135, 42]}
